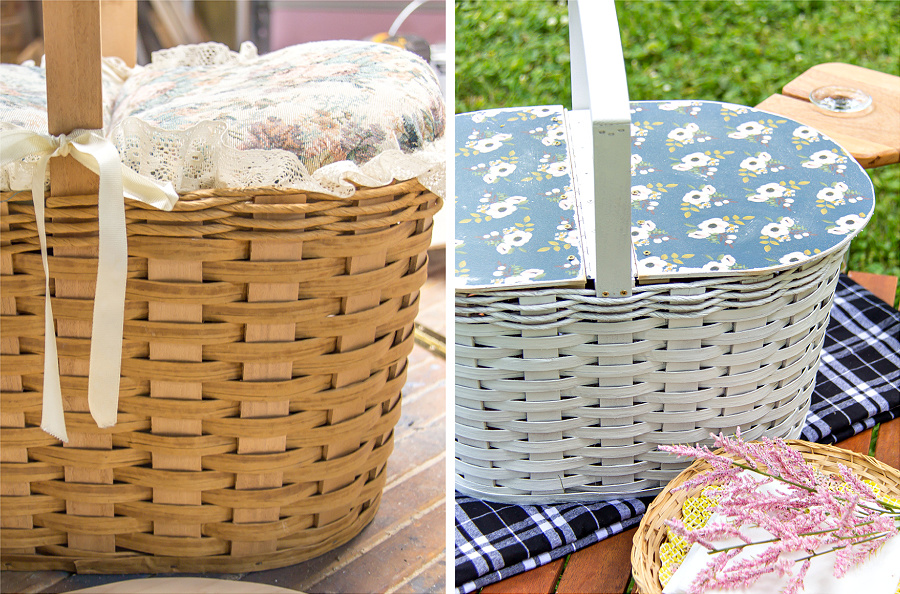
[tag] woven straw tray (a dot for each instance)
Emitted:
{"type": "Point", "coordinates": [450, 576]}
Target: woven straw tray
{"type": "Point", "coordinates": [645, 560]}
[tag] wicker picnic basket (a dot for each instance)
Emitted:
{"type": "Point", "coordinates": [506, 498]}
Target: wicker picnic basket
{"type": "Point", "coordinates": [650, 535]}
{"type": "Point", "coordinates": [265, 342]}
{"type": "Point", "coordinates": [564, 393]}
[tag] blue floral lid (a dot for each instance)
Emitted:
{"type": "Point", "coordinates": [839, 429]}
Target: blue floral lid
{"type": "Point", "coordinates": [516, 222]}
{"type": "Point", "coordinates": [717, 189]}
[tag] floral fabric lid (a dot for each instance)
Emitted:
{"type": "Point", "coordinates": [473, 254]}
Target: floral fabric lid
{"type": "Point", "coordinates": [516, 221]}
{"type": "Point", "coordinates": [717, 189]}
{"type": "Point", "coordinates": [722, 188]}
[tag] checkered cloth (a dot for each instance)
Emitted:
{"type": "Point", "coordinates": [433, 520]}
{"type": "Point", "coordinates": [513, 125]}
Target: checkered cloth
{"type": "Point", "coordinates": [858, 385]}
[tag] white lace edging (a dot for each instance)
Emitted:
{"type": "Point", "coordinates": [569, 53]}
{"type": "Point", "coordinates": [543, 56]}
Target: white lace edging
{"type": "Point", "coordinates": [201, 157]}
{"type": "Point", "coordinates": [203, 54]}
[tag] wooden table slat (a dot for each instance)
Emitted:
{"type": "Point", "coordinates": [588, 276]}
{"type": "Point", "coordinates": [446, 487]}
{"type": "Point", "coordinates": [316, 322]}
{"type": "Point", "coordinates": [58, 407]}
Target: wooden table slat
{"type": "Point", "coordinates": [603, 568]}
{"type": "Point", "coordinates": [887, 448]}
{"type": "Point", "coordinates": [881, 285]}
{"type": "Point", "coordinates": [540, 580]}
{"type": "Point", "coordinates": [859, 443]}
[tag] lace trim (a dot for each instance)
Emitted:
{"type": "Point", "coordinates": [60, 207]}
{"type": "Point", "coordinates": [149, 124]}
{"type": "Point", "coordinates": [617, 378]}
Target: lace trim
{"type": "Point", "coordinates": [201, 157]}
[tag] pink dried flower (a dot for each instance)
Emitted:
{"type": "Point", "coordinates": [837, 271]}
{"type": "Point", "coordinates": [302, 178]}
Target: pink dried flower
{"type": "Point", "coordinates": [812, 511]}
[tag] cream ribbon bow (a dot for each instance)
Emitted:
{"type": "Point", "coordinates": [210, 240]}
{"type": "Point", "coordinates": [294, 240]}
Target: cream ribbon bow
{"type": "Point", "coordinates": [100, 156]}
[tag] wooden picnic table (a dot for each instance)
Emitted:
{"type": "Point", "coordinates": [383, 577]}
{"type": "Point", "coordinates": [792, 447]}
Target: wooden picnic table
{"type": "Point", "coordinates": [873, 136]}
{"type": "Point", "coordinates": [605, 567]}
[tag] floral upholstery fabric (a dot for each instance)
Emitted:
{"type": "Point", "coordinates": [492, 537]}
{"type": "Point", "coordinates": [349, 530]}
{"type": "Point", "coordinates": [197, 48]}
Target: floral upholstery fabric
{"type": "Point", "coordinates": [325, 102]}
{"type": "Point", "coordinates": [23, 94]}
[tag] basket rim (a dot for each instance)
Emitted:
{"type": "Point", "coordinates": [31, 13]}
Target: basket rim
{"type": "Point", "coordinates": [645, 562]}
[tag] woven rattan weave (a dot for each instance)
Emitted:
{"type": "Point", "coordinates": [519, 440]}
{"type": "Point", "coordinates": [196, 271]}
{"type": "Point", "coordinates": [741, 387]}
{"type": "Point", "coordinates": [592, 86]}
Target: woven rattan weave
{"type": "Point", "coordinates": [265, 344]}
{"type": "Point", "coordinates": [645, 560]}
{"type": "Point", "coordinates": [564, 396]}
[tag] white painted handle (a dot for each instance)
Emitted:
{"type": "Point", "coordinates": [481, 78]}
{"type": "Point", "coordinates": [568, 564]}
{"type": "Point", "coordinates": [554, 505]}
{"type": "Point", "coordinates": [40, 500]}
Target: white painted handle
{"type": "Point", "coordinates": [599, 85]}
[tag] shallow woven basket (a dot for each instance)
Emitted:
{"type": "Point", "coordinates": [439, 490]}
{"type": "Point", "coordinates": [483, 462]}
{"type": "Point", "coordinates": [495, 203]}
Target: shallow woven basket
{"type": "Point", "coordinates": [645, 560]}
{"type": "Point", "coordinates": [564, 396]}
{"type": "Point", "coordinates": [265, 344]}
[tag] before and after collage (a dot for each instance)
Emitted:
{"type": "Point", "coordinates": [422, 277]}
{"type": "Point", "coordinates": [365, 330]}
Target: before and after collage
{"type": "Point", "coordinates": [491, 296]}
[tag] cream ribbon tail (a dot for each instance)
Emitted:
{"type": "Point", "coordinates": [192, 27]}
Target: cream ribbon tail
{"type": "Point", "coordinates": [100, 156]}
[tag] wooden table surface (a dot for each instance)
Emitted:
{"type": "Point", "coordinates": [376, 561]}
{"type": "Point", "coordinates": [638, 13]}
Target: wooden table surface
{"type": "Point", "coordinates": [605, 567]}
{"type": "Point", "coordinates": [873, 137]}
{"type": "Point", "coordinates": [403, 549]}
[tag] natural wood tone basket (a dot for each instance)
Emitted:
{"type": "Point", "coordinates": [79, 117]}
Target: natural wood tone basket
{"type": "Point", "coordinates": [265, 344]}
{"type": "Point", "coordinates": [650, 535]}
{"type": "Point", "coordinates": [563, 396]}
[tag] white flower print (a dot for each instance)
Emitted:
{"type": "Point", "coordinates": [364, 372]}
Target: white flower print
{"type": "Point", "coordinates": [847, 224]}
{"type": "Point", "coordinates": [499, 210]}
{"type": "Point", "coordinates": [748, 129]}
{"type": "Point", "coordinates": [541, 112]}
{"type": "Point", "coordinates": [768, 191]}
{"type": "Point", "coordinates": [673, 105]}
{"type": "Point", "coordinates": [458, 243]}
{"type": "Point", "coordinates": [555, 134]}
{"type": "Point", "coordinates": [834, 194]}
{"type": "Point", "coordinates": [691, 161]}
{"type": "Point", "coordinates": [480, 116]}
{"type": "Point", "coordinates": [654, 264]}
{"type": "Point", "coordinates": [684, 135]}
{"type": "Point", "coordinates": [639, 193]}
{"type": "Point", "coordinates": [724, 263]}
{"type": "Point", "coordinates": [640, 235]}
{"type": "Point", "coordinates": [504, 248]}
{"type": "Point", "coordinates": [793, 258]}
{"type": "Point", "coordinates": [757, 163]}
{"type": "Point", "coordinates": [822, 158]}
{"type": "Point", "coordinates": [572, 237]}
{"type": "Point", "coordinates": [498, 169]}
{"type": "Point", "coordinates": [709, 227]}
{"type": "Point", "coordinates": [517, 237]}
{"type": "Point", "coordinates": [568, 201]}
{"type": "Point", "coordinates": [700, 197]}
{"type": "Point", "coordinates": [486, 145]}
{"type": "Point", "coordinates": [779, 231]}
{"type": "Point", "coordinates": [806, 133]}
{"type": "Point", "coordinates": [557, 169]}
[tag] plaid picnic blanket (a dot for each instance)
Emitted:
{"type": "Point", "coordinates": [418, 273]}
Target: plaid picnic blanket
{"type": "Point", "coordinates": [858, 386]}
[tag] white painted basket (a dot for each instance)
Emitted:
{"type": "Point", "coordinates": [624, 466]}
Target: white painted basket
{"type": "Point", "coordinates": [564, 394]}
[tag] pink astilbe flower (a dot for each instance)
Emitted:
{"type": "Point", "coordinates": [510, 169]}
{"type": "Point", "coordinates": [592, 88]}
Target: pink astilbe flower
{"type": "Point", "coordinates": [810, 514]}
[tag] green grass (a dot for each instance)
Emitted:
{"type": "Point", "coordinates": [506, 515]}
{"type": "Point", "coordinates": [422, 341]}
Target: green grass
{"type": "Point", "coordinates": [516, 53]}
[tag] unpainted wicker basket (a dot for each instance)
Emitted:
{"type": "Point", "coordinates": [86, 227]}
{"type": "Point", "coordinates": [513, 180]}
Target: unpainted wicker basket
{"type": "Point", "coordinates": [265, 345]}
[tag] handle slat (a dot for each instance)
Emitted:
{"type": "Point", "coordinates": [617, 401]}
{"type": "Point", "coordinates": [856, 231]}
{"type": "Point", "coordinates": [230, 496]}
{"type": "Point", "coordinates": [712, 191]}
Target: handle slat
{"type": "Point", "coordinates": [600, 86]}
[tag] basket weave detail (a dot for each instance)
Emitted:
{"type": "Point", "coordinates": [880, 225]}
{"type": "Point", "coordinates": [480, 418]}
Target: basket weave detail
{"type": "Point", "coordinates": [265, 343]}
{"type": "Point", "coordinates": [563, 396]}
{"type": "Point", "coordinates": [645, 559]}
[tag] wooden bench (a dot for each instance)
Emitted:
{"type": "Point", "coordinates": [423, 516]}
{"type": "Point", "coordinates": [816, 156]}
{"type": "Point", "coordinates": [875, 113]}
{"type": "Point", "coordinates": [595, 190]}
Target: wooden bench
{"type": "Point", "coordinates": [872, 137]}
{"type": "Point", "coordinates": [605, 568]}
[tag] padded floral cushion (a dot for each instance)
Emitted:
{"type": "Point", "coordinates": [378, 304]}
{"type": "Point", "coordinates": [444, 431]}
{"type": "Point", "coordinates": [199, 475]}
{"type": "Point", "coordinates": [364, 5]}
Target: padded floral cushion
{"type": "Point", "coordinates": [325, 102]}
{"type": "Point", "coordinates": [23, 94]}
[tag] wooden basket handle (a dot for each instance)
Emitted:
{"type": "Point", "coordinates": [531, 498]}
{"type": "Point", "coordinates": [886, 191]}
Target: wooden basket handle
{"type": "Point", "coordinates": [599, 86]}
{"type": "Point", "coordinates": [73, 30]}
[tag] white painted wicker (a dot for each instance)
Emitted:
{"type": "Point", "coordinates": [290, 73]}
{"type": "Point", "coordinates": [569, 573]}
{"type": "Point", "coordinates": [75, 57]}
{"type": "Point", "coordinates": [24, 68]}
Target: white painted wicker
{"type": "Point", "coordinates": [564, 396]}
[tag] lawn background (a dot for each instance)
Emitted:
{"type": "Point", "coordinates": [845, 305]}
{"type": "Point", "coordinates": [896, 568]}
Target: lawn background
{"type": "Point", "coordinates": [516, 53]}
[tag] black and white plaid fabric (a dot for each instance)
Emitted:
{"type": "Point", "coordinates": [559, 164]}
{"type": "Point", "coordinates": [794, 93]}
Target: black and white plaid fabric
{"type": "Point", "coordinates": [858, 385]}
{"type": "Point", "coordinates": [859, 376]}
